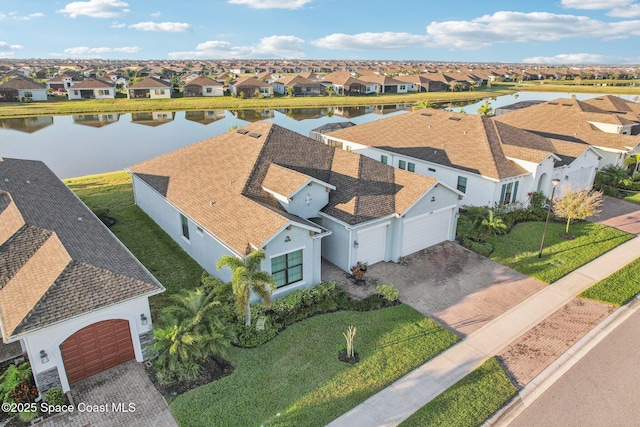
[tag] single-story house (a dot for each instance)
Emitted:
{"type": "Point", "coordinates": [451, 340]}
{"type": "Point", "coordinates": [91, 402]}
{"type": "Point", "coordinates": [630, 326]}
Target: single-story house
{"type": "Point", "coordinates": [203, 86]}
{"type": "Point", "coordinates": [71, 294]}
{"type": "Point", "coordinates": [92, 89]}
{"type": "Point", "coordinates": [150, 87]}
{"type": "Point", "coordinates": [22, 89]}
{"type": "Point", "coordinates": [344, 83]}
{"type": "Point", "coordinates": [248, 87]}
{"type": "Point", "coordinates": [490, 162]}
{"type": "Point", "coordinates": [615, 134]}
{"type": "Point", "coordinates": [301, 86]}
{"type": "Point", "coordinates": [266, 187]}
{"type": "Point", "coordinates": [386, 84]}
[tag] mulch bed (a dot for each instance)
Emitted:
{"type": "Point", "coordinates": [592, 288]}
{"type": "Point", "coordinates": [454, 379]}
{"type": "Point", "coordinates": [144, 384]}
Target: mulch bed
{"type": "Point", "coordinates": [342, 356]}
{"type": "Point", "coordinates": [213, 369]}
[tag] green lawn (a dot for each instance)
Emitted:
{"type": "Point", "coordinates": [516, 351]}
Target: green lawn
{"type": "Point", "coordinates": [519, 249]}
{"type": "Point", "coordinates": [298, 374]}
{"type": "Point", "coordinates": [172, 266]}
{"type": "Point", "coordinates": [633, 199]}
{"type": "Point", "coordinates": [469, 402]}
{"type": "Point", "coordinates": [618, 288]}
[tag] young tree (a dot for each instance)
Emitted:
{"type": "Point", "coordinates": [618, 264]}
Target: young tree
{"type": "Point", "coordinates": [578, 205]}
{"type": "Point", "coordinates": [425, 103]}
{"type": "Point", "coordinates": [290, 91]}
{"type": "Point", "coordinates": [329, 90]}
{"type": "Point", "coordinates": [493, 225]}
{"type": "Point", "coordinates": [485, 109]}
{"type": "Point", "coordinates": [248, 277]}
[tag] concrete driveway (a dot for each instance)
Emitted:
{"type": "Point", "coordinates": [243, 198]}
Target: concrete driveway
{"type": "Point", "coordinates": [619, 214]}
{"type": "Point", "coordinates": [449, 283]}
{"type": "Point", "coordinates": [102, 399]}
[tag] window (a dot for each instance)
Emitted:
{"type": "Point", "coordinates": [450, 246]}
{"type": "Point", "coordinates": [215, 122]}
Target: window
{"type": "Point", "coordinates": [348, 148]}
{"type": "Point", "coordinates": [332, 143]}
{"type": "Point", "coordinates": [102, 92]}
{"type": "Point", "coordinates": [402, 87]}
{"type": "Point", "coordinates": [411, 167]}
{"type": "Point", "coordinates": [432, 170]}
{"type": "Point", "coordinates": [75, 92]}
{"type": "Point", "coordinates": [185, 226]}
{"type": "Point", "coordinates": [28, 94]}
{"type": "Point", "coordinates": [209, 89]}
{"type": "Point", "coordinates": [462, 184]}
{"type": "Point", "coordinates": [402, 164]}
{"type": "Point", "coordinates": [505, 196]}
{"type": "Point", "coordinates": [287, 269]}
{"type": "Point", "coordinates": [159, 91]}
{"type": "Point", "coordinates": [384, 159]}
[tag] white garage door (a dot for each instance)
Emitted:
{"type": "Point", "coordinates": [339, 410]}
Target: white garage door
{"type": "Point", "coordinates": [371, 244]}
{"type": "Point", "coordinates": [425, 230]}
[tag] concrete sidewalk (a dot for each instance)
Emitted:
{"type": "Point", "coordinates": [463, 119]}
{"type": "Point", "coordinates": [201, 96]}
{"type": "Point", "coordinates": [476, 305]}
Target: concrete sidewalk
{"type": "Point", "coordinates": [402, 398]}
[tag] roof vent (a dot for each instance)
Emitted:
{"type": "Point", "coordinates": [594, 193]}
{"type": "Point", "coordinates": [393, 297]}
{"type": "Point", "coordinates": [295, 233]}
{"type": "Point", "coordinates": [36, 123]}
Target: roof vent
{"type": "Point", "coordinates": [552, 103]}
{"type": "Point", "coordinates": [567, 105]}
{"type": "Point", "coordinates": [255, 135]}
{"type": "Point", "coordinates": [456, 119]}
{"type": "Point", "coordinates": [211, 203]}
{"type": "Point", "coordinates": [242, 131]}
{"type": "Point", "coordinates": [426, 114]}
{"type": "Point", "coordinates": [6, 180]}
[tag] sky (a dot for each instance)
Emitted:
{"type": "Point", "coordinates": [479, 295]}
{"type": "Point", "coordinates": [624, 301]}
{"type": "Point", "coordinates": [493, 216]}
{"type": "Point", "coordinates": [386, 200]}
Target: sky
{"type": "Point", "coordinates": [515, 31]}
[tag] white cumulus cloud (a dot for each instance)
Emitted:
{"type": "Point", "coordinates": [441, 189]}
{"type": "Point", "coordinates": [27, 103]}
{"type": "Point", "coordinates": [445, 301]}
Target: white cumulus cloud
{"type": "Point", "coordinates": [168, 27]}
{"type": "Point", "coordinates": [118, 25]}
{"type": "Point", "coordinates": [630, 11]}
{"type": "Point", "coordinates": [96, 51]}
{"type": "Point", "coordinates": [572, 58]}
{"type": "Point", "coordinates": [96, 8]}
{"type": "Point", "coordinates": [156, 14]}
{"type": "Point", "coordinates": [29, 17]}
{"type": "Point", "coordinates": [272, 4]}
{"type": "Point", "coordinates": [267, 47]}
{"type": "Point", "coordinates": [595, 4]}
{"type": "Point", "coordinates": [365, 41]}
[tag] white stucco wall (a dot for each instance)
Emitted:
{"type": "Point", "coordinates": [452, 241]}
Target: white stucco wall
{"type": "Point", "coordinates": [49, 339]}
{"type": "Point", "coordinates": [578, 175]}
{"type": "Point", "coordinates": [307, 201]}
{"type": "Point", "coordinates": [36, 94]}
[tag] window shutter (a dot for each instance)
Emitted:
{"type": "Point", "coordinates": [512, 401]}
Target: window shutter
{"type": "Point", "coordinates": [515, 191]}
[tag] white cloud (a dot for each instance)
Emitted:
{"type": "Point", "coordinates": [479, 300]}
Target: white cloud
{"type": "Point", "coordinates": [365, 41]}
{"type": "Point", "coordinates": [2, 15]}
{"type": "Point", "coordinates": [5, 45]}
{"type": "Point", "coordinates": [487, 30]}
{"type": "Point", "coordinates": [156, 14]}
{"type": "Point", "coordinates": [595, 4]}
{"type": "Point", "coordinates": [268, 47]}
{"type": "Point", "coordinates": [29, 17]}
{"type": "Point", "coordinates": [572, 58]}
{"type": "Point", "coordinates": [8, 50]}
{"type": "Point", "coordinates": [168, 27]}
{"type": "Point", "coordinates": [95, 51]}
{"type": "Point", "coordinates": [272, 4]}
{"type": "Point", "coordinates": [96, 8]}
{"type": "Point", "coordinates": [118, 25]}
{"type": "Point", "coordinates": [630, 11]}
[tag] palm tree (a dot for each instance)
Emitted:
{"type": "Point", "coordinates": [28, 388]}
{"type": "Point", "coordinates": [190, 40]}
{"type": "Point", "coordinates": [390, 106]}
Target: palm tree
{"type": "Point", "coordinates": [290, 91]}
{"type": "Point", "coordinates": [473, 85]}
{"type": "Point", "coordinates": [611, 175]}
{"type": "Point", "coordinates": [485, 109]}
{"type": "Point", "coordinates": [329, 90]}
{"type": "Point", "coordinates": [425, 103]}
{"type": "Point", "coordinates": [632, 162]}
{"type": "Point", "coordinates": [493, 225]}
{"type": "Point", "coordinates": [247, 277]}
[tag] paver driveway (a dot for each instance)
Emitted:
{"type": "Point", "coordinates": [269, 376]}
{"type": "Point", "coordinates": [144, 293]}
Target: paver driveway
{"type": "Point", "coordinates": [127, 383]}
{"type": "Point", "coordinates": [449, 283]}
{"type": "Point", "coordinates": [619, 214]}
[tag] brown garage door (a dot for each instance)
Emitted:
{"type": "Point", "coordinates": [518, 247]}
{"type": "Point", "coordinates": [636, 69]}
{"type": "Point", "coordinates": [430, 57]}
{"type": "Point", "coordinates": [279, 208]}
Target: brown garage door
{"type": "Point", "coordinates": [95, 348]}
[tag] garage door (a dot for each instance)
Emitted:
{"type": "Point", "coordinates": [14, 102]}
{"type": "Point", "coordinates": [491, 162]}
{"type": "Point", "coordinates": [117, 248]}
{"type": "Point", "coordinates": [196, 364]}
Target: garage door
{"type": "Point", "coordinates": [371, 244]}
{"type": "Point", "coordinates": [95, 348]}
{"type": "Point", "coordinates": [425, 230]}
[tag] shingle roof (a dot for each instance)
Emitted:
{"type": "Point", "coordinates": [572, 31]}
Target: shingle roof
{"type": "Point", "coordinates": [203, 81]}
{"type": "Point", "coordinates": [150, 82]}
{"type": "Point", "coordinates": [219, 182]}
{"type": "Point", "coordinates": [570, 120]}
{"type": "Point", "coordinates": [44, 228]}
{"type": "Point", "coordinates": [92, 84]}
{"type": "Point", "coordinates": [463, 141]}
{"type": "Point", "coordinates": [21, 83]}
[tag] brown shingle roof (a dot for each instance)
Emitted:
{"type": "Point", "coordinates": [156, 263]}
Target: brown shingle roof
{"type": "Point", "coordinates": [203, 81]}
{"type": "Point", "coordinates": [57, 230]}
{"type": "Point", "coordinates": [150, 82]}
{"type": "Point", "coordinates": [462, 141]}
{"type": "Point", "coordinates": [21, 83]}
{"type": "Point", "coordinates": [92, 84]}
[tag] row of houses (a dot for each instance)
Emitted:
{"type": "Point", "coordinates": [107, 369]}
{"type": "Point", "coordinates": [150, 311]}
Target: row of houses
{"type": "Point", "coordinates": [76, 301]}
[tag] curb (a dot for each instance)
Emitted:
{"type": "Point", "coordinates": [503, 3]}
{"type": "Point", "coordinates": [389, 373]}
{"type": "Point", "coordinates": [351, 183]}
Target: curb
{"type": "Point", "coordinates": [560, 366]}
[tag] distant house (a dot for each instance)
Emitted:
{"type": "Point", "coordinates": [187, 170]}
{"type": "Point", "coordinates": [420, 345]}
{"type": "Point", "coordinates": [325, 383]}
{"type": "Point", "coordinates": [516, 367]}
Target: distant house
{"type": "Point", "coordinates": [202, 86]}
{"type": "Point", "coordinates": [346, 84]}
{"type": "Point", "coordinates": [150, 87]}
{"type": "Point", "coordinates": [386, 84]}
{"type": "Point", "coordinates": [22, 89]}
{"type": "Point", "coordinates": [92, 89]}
{"type": "Point", "coordinates": [72, 297]}
{"type": "Point", "coordinates": [266, 187]}
{"type": "Point", "coordinates": [248, 87]}
{"type": "Point", "coordinates": [300, 86]}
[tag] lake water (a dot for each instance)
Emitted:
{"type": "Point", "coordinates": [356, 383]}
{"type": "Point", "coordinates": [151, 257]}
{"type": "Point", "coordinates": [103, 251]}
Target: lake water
{"type": "Point", "coordinates": [94, 143]}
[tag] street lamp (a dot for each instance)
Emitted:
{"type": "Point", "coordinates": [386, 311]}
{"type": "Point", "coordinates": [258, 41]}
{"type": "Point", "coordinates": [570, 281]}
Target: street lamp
{"type": "Point", "coordinates": [555, 182]}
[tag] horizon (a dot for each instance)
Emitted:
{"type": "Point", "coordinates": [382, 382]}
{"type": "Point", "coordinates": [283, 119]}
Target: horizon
{"type": "Point", "coordinates": [547, 32]}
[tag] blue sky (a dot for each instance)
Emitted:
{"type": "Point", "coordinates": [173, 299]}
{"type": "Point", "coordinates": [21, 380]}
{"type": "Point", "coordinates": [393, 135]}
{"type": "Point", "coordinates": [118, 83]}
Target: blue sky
{"type": "Point", "coordinates": [550, 32]}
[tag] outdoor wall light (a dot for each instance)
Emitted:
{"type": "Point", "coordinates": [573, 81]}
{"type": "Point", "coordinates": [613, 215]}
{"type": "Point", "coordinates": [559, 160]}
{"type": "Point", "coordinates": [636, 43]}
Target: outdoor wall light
{"type": "Point", "coordinates": [355, 244]}
{"type": "Point", "coordinates": [143, 319]}
{"type": "Point", "coordinates": [433, 198]}
{"type": "Point", "coordinates": [44, 358]}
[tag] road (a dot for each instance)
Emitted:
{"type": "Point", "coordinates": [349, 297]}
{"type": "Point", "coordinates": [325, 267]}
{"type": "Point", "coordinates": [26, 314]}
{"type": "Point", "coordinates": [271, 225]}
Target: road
{"type": "Point", "coordinates": [602, 389]}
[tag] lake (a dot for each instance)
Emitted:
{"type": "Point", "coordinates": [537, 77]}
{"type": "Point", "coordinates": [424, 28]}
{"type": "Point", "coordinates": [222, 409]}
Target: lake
{"type": "Point", "coordinates": [80, 145]}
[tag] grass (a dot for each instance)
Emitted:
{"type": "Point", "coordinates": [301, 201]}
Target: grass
{"type": "Point", "coordinates": [172, 266]}
{"type": "Point", "coordinates": [519, 249]}
{"type": "Point", "coordinates": [298, 375]}
{"type": "Point", "coordinates": [469, 402]}
{"type": "Point", "coordinates": [60, 105]}
{"type": "Point", "coordinates": [618, 288]}
{"type": "Point", "coordinates": [633, 199]}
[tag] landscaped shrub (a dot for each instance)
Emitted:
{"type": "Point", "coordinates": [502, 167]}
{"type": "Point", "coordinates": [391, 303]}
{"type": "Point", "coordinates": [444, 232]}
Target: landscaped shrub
{"type": "Point", "coordinates": [387, 291]}
{"type": "Point", "coordinates": [17, 385]}
{"type": "Point", "coordinates": [54, 396]}
{"type": "Point", "coordinates": [484, 249]}
{"type": "Point", "coordinates": [250, 336]}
